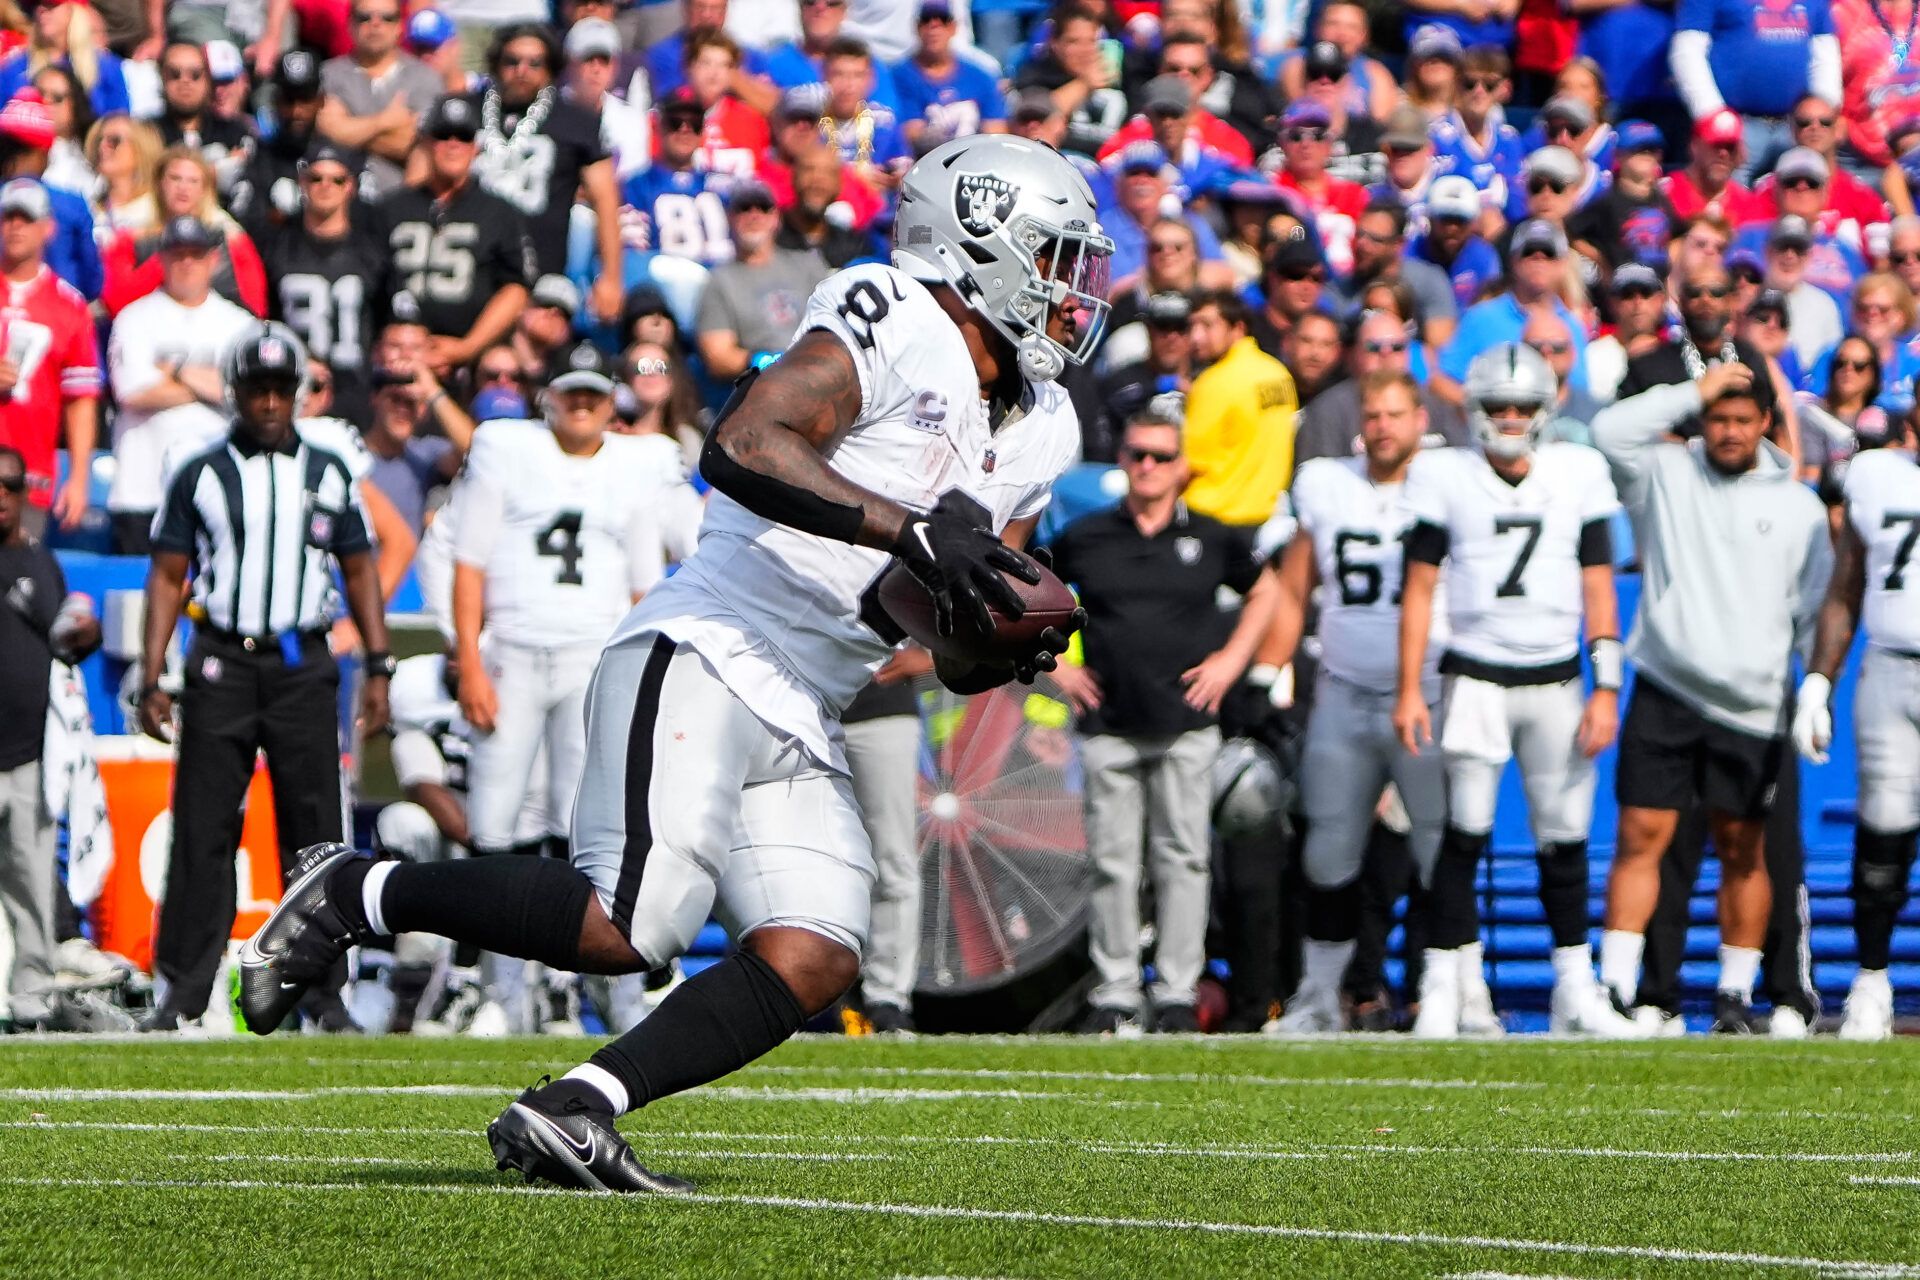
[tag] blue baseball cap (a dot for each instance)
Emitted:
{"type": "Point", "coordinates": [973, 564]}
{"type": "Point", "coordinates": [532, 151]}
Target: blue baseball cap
{"type": "Point", "coordinates": [1638, 135]}
{"type": "Point", "coordinates": [1306, 112]}
{"type": "Point", "coordinates": [1139, 157]}
{"type": "Point", "coordinates": [498, 402]}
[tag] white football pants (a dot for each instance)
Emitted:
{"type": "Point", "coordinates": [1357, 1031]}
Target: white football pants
{"type": "Point", "coordinates": [1538, 727]}
{"type": "Point", "coordinates": [884, 755]}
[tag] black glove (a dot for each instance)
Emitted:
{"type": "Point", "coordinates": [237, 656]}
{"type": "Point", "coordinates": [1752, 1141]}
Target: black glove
{"type": "Point", "coordinates": [957, 558]}
{"type": "Point", "coordinates": [1053, 643]}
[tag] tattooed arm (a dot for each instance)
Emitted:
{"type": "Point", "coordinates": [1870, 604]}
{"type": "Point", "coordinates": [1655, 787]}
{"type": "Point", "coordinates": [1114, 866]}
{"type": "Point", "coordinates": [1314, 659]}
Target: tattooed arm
{"type": "Point", "coordinates": [764, 449]}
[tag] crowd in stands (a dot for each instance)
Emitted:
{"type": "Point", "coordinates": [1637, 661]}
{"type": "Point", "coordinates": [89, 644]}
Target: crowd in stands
{"type": "Point", "coordinates": [439, 200]}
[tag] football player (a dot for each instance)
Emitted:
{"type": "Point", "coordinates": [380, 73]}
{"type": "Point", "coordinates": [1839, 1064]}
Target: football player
{"type": "Point", "coordinates": [1522, 526]}
{"type": "Point", "coordinates": [1353, 520]}
{"type": "Point", "coordinates": [916, 416]}
{"type": "Point", "coordinates": [1871, 576]}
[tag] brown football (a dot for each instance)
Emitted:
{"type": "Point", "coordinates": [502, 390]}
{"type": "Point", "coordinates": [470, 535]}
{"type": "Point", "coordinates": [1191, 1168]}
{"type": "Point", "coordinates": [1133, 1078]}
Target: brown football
{"type": "Point", "coordinates": [1049, 604]}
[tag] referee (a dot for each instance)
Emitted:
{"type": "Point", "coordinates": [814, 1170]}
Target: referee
{"type": "Point", "coordinates": [257, 518]}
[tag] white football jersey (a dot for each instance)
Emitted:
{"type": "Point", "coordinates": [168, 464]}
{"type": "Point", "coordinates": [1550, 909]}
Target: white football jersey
{"type": "Point", "coordinates": [777, 612]}
{"type": "Point", "coordinates": [566, 542]}
{"type": "Point", "coordinates": [1358, 530]}
{"type": "Point", "coordinates": [1882, 490]}
{"type": "Point", "coordinates": [1513, 550]}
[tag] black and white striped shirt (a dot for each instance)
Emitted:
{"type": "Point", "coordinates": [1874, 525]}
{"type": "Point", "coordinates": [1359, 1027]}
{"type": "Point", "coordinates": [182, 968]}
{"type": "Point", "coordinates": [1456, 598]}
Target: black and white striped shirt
{"type": "Point", "coordinates": [261, 525]}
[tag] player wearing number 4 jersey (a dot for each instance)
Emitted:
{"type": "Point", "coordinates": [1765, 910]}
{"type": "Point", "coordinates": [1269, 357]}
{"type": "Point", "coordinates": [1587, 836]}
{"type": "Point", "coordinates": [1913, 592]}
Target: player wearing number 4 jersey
{"type": "Point", "coordinates": [915, 417]}
{"type": "Point", "coordinates": [1874, 574]}
{"type": "Point", "coordinates": [1353, 517]}
{"type": "Point", "coordinates": [1522, 529]}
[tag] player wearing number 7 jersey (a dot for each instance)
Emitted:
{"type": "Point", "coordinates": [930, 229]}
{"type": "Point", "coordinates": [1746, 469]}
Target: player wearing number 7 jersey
{"type": "Point", "coordinates": [1522, 527]}
{"type": "Point", "coordinates": [1353, 519]}
{"type": "Point", "coordinates": [555, 543]}
{"type": "Point", "coordinates": [917, 417]}
{"type": "Point", "coordinates": [1874, 574]}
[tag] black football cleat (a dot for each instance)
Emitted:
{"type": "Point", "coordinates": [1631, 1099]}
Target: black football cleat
{"type": "Point", "coordinates": [1732, 1014]}
{"type": "Point", "coordinates": [572, 1145]}
{"type": "Point", "coordinates": [298, 944]}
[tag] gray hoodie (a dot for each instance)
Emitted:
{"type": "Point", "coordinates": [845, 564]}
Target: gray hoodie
{"type": "Point", "coordinates": [1733, 568]}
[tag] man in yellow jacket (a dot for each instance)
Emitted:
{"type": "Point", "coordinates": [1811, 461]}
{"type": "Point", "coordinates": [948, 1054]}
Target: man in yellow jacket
{"type": "Point", "coordinates": [1240, 416]}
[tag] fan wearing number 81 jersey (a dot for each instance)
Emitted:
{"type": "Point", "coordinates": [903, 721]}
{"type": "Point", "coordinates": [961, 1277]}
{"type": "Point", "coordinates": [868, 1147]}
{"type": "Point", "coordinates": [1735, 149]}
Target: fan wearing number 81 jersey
{"type": "Point", "coordinates": [326, 288]}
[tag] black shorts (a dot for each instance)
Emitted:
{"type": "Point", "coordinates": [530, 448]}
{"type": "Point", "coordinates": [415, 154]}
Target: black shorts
{"type": "Point", "coordinates": [1672, 757]}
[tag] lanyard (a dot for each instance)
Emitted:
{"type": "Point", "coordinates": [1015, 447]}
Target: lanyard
{"type": "Point", "coordinates": [1902, 45]}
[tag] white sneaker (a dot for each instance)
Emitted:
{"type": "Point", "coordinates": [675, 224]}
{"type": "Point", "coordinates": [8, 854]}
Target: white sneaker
{"type": "Point", "coordinates": [79, 965]}
{"type": "Point", "coordinates": [490, 1022]}
{"type": "Point", "coordinates": [1311, 1012]}
{"type": "Point", "coordinates": [1869, 1007]}
{"type": "Point", "coordinates": [1788, 1023]}
{"type": "Point", "coordinates": [1586, 1010]}
{"type": "Point", "coordinates": [1657, 1023]}
{"type": "Point", "coordinates": [1439, 997]}
{"type": "Point", "coordinates": [1477, 1016]}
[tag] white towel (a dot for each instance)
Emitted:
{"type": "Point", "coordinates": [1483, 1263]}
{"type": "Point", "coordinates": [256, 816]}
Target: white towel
{"type": "Point", "coordinates": [71, 782]}
{"type": "Point", "coordinates": [1476, 721]}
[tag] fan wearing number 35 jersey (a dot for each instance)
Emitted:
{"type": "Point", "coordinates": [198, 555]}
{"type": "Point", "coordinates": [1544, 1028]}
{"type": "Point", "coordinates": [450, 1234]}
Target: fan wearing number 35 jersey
{"type": "Point", "coordinates": [916, 418]}
{"type": "Point", "coordinates": [1523, 529]}
{"type": "Point", "coordinates": [1874, 574]}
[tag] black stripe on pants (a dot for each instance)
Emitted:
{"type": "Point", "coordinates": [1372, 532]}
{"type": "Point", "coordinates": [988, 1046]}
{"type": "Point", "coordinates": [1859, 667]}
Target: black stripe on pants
{"type": "Point", "coordinates": [245, 701]}
{"type": "Point", "coordinates": [639, 819]}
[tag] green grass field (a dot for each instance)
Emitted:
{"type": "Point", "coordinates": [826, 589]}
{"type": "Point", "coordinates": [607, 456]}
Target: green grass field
{"type": "Point", "coordinates": [965, 1157]}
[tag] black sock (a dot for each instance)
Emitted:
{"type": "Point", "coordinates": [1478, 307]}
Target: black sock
{"type": "Point", "coordinates": [1333, 915]}
{"type": "Point", "coordinates": [529, 908]}
{"type": "Point", "coordinates": [718, 1021]}
{"type": "Point", "coordinates": [1882, 861]}
{"type": "Point", "coordinates": [1563, 890]}
{"type": "Point", "coordinates": [1455, 917]}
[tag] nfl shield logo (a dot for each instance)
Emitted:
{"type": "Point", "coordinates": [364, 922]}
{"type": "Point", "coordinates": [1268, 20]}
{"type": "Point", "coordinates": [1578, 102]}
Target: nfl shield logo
{"type": "Point", "coordinates": [210, 670]}
{"type": "Point", "coordinates": [320, 528]}
{"type": "Point", "coordinates": [983, 202]}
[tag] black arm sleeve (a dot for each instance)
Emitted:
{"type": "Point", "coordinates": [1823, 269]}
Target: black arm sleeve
{"type": "Point", "coordinates": [765, 496]}
{"type": "Point", "coordinates": [179, 518]}
{"type": "Point", "coordinates": [1596, 542]}
{"type": "Point", "coordinates": [1243, 566]}
{"type": "Point", "coordinates": [1426, 543]}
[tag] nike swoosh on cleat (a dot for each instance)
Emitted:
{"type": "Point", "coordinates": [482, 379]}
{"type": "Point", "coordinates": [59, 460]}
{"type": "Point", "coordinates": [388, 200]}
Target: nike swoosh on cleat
{"type": "Point", "coordinates": [586, 1153]}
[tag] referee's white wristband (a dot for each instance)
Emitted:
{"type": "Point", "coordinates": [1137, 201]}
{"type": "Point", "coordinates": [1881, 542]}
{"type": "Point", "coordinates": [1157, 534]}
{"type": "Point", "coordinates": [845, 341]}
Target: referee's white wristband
{"type": "Point", "coordinates": [1609, 658]}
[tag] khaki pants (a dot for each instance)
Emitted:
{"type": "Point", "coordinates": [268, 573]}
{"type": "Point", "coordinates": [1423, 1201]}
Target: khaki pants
{"type": "Point", "coordinates": [27, 884]}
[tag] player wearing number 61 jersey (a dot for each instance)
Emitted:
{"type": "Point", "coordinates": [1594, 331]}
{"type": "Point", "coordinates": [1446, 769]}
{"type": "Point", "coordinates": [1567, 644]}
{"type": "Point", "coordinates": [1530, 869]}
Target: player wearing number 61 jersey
{"type": "Point", "coordinates": [1874, 574]}
{"type": "Point", "coordinates": [1523, 529]}
{"type": "Point", "coordinates": [1353, 520]}
{"type": "Point", "coordinates": [554, 544]}
{"type": "Point", "coordinates": [916, 418]}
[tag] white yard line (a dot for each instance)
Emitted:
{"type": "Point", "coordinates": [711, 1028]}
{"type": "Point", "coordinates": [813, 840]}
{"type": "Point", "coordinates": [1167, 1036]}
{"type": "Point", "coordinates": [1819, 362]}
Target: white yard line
{"type": "Point", "coordinates": [237, 1157]}
{"type": "Point", "coordinates": [1864, 1180]}
{"type": "Point", "coordinates": [738, 1093]}
{"type": "Point", "coordinates": [1323, 1151]}
{"type": "Point", "coordinates": [1416, 1239]}
{"type": "Point", "coordinates": [1156, 1077]}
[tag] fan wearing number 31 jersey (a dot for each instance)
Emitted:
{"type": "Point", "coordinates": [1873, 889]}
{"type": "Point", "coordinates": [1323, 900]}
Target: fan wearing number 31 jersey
{"type": "Point", "coordinates": [554, 544]}
{"type": "Point", "coordinates": [1874, 575]}
{"type": "Point", "coordinates": [1523, 529]}
{"type": "Point", "coordinates": [916, 418]}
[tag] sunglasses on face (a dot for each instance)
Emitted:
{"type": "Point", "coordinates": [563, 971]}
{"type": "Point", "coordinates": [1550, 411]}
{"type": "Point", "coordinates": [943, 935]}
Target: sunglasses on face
{"type": "Point", "coordinates": [753, 206]}
{"type": "Point", "coordinates": [328, 179]}
{"type": "Point", "coordinates": [1379, 347]}
{"type": "Point", "coordinates": [1905, 257]}
{"type": "Point", "coordinates": [1136, 456]}
{"type": "Point", "coordinates": [1374, 237]}
{"type": "Point", "coordinates": [1306, 134]}
{"type": "Point", "coordinates": [1536, 185]}
{"type": "Point", "coordinates": [825, 4]}
{"type": "Point", "coordinates": [1815, 122]}
{"type": "Point", "coordinates": [1746, 275]}
{"type": "Point", "coordinates": [1771, 319]}
{"type": "Point", "coordinates": [183, 73]}
{"type": "Point", "coordinates": [1854, 366]}
{"type": "Point", "coordinates": [1695, 292]}
{"type": "Point", "coordinates": [536, 63]}
{"type": "Point", "coordinates": [683, 124]}
{"type": "Point", "coordinates": [1540, 251]}
{"type": "Point", "coordinates": [1486, 84]}
{"type": "Point", "coordinates": [499, 374]}
{"type": "Point", "coordinates": [1638, 292]}
{"type": "Point", "coordinates": [1560, 129]}
{"type": "Point", "coordinates": [364, 17]}
{"type": "Point", "coordinates": [1295, 274]}
{"type": "Point", "coordinates": [1800, 184]}
{"type": "Point", "coordinates": [13, 484]}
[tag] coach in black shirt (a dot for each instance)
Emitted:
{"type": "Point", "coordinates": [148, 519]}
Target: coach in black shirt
{"type": "Point", "coordinates": [260, 519]}
{"type": "Point", "coordinates": [1159, 658]}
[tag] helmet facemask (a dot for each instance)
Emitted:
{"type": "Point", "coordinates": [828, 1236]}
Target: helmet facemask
{"type": "Point", "coordinates": [1072, 269]}
{"type": "Point", "coordinates": [1495, 439]}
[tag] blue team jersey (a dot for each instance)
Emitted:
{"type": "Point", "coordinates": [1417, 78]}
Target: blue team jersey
{"type": "Point", "coordinates": [671, 211]}
{"type": "Point", "coordinates": [1494, 169]}
{"type": "Point", "coordinates": [790, 67]}
{"type": "Point", "coordinates": [1486, 325]}
{"type": "Point", "coordinates": [1896, 380]}
{"type": "Point", "coordinates": [1494, 31]}
{"type": "Point", "coordinates": [954, 106]}
{"type": "Point", "coordinates": [1477, 266]}
{"type": "Point", "coordinates": [1759, 56]}
{"type": "Point", "coordinates": [1600, 149]}
{"type": "Point", "coordinates": [107, 97]}
{"type": "Point", "coordinates": [1630, 44]}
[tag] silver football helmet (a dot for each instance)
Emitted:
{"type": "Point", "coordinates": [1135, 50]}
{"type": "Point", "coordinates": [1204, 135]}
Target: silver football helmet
{"type": "Point", "coordinates": [1507, 375]}
{"type": "Point", "coordinates": [1251, 792]}
{"type": "Point", "coordinates": [1011, 226]}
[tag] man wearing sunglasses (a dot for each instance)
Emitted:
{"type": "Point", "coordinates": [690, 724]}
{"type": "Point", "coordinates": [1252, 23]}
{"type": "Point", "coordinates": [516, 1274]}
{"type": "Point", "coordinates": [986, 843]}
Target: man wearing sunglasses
{"type": "Point", "coordinates": [1707, 184]}
{"type": "Point", "coordinates": [1639, 317]}
{"type": "Point", "coordinates": [1474, 140]}
{"type": "Point", "coordinates": [1817, 126]}
{"type": "Point", "coordinates": [1818, 318]}
{"type": "Point", "coordinates": [1455, 209]}
{"type": "Point", "coordinates": [1802, 194]}
{"type": "Point", "coordinates": [1306, 142]}
{"type": "Point", "coordinates": [1379, 244]}
{"type": "Point", "coordinates": [329, 275]}
{"type": "Point", "coordinates": [1378, 341]}
{"type": "Point", "coordinates": [1758, 60]}
{"type": "Point", "coordinates": [1537, 273]}
{"type": "Point", "coordinates": [376, 93]}
{"type": "Point", "coordinates": [188, 116]}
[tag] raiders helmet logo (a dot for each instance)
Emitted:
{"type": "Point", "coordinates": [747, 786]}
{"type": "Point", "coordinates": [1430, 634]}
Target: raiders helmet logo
{"type": "Point", "coordinates": [983, 202]}
{"type": "Point", "coordinates": [297, 65]}
{"type": "Point", "coordinates": [584, 357]}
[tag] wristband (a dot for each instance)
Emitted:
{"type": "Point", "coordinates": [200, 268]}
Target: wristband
{"type": "Point", "coordinates": [1262, 675]}
{"type": "Point", "coordinates": [381, 665]}
{"type": "Point", "coordinates": [1609, 658]}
